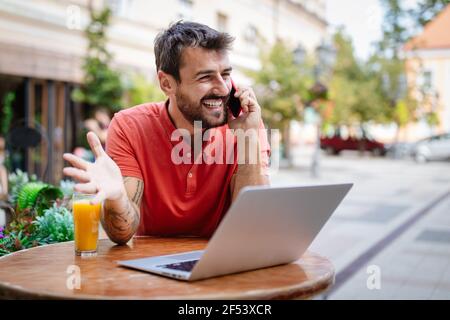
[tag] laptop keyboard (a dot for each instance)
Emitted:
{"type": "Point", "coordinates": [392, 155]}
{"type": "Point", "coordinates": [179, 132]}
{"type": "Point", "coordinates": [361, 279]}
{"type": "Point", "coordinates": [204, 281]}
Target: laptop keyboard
{"type": "Point", "coordinates": [183, 266]}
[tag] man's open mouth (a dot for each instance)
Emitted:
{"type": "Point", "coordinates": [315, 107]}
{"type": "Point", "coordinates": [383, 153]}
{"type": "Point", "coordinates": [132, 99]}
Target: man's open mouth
{"type": "Point", "coordinates": [213, 104]}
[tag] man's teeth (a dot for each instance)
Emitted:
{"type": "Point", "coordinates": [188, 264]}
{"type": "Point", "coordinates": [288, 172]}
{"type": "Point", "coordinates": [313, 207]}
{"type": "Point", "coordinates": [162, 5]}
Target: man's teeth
{"type": "Point", "coordinates": [213, 103]}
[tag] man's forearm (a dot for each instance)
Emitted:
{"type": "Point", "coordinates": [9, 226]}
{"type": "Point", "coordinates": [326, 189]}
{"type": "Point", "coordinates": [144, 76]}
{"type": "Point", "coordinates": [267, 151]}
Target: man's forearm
{"type": "Point", "coordinates": [250, 169]}
{"type": "Point", "coordinates": [120, 219]}
{"type": "Point", "coordinates": [248, 175]}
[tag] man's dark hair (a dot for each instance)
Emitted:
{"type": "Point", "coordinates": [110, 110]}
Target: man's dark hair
{"type": "Point", "coordinates": [169, 44]}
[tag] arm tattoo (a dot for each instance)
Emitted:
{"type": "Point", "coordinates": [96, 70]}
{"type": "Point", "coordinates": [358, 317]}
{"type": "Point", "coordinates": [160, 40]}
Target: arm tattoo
{"type": "Point", "coordinates": [138, 193]}
{"type": "Point", "coordinates": [120, 225]}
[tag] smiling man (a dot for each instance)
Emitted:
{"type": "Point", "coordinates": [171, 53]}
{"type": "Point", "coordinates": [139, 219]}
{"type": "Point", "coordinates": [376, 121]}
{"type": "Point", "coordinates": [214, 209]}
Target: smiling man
{"type": "Point", "coordinates": [143, 189]}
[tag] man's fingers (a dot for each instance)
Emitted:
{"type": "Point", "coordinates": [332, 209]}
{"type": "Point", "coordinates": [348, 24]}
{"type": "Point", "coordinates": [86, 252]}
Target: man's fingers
{"type": "Point", "coordinates": [95, 144]}
{"type": "Point", "coordinates": [245, 92]}
{"type": "Point", "coordinates": [244, 105]}
{"type": "Point", "coordinates": [77, 174]}
{"type": "Point", "coordinates": [76, 161]}
{"type": "Point", "coordinates": [99, 197]}
{"type": "Point", "coordinates": [252, 93]}
{"type": "Point", "coordinates": [240, 92]}
{"type": "Point", "coordinates": [88, 188]}
{"type": "Point", "coordinates": [252, 105]}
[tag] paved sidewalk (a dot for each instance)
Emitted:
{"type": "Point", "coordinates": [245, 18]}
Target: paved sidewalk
{"type": "Point", "coordinates": [415, 266]}
{"type": "Point", "coordinates": [383, 207]}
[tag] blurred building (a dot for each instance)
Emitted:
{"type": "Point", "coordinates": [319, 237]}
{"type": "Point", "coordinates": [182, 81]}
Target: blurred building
{"type": "Point", "coordinates": [43, 44]}
{"type": "Point", "coordinates": [428, 61]}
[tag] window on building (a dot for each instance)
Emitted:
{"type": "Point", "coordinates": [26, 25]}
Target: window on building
{"type": "Point", "coordinates": [222, 22]}
{"type": "Point", "coordinates": [428, 79]}
{"type": "Point", "coordinates": [251, 34]}
{"type": "Point", "coordinates": [185, 9]}
{"type": "Point", "coordinates": [120, 8]}
{"type": "Point", "coordinates": [425, 81]}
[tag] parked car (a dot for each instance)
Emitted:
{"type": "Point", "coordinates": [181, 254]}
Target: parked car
{"type": "Point", "coordinates": [335, 144]}
{"type": "Point", "coordinates": [399, 150]}
{"type": "Point", "coordinates": [432, 148]}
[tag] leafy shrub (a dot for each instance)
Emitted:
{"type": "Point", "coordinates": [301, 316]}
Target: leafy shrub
{"type": "Point", "coordinates": [55, 225]}
{"type": "Point", "coordinates": [27, 230]}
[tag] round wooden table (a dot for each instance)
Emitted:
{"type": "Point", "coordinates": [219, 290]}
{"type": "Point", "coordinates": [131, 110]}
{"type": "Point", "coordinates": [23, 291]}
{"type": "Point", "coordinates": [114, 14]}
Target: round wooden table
{"type": "Point", "coordinates": [54, 272]}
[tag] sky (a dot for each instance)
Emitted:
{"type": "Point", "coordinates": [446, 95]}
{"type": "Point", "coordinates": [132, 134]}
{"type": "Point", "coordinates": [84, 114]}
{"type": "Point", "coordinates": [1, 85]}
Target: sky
{"type": "Point", "coordinates": [362, 20]}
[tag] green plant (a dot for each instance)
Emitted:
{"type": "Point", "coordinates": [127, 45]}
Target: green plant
{"type": "Point", "coordinates": [15, 242]}
{"type": "Point", "coordinates": [66, 187]}
{"type": "Point", "coordinates": [7, 113]}
{"type": "Point", "coordinates": [19, 234]}
{"type": "Point", "coordinates": [101, 85]}
{"type": "Point", "coordinates": [55, 225]}
{"type": "Point", "coordinates": [37, 195]}
{"type": "Point", "coordinates": [16, 181]}
{"type": "Point", "coordinates": [142, 90]}
{"type": "Point", "coordinates": [40, 216]}
{"type": "Point", "coordinates": [28, 230]}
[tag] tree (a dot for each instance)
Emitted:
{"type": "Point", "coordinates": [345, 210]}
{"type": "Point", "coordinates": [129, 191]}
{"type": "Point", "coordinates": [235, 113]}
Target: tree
{"type": "Point", "coordinates": [283, 88]}
{"type": "Point", "coordinates": [101, 85]}
{"type": "Point", "coordinates": [395, 32]}
{"type": "Point", "coordinates": [353, 89]}
{"type": "Point", "coordinates": [142, 90]}
{"type": "Point", "coordinates": [426, 10]}
{"type": "Point", "coordinates": [390, 66]}
{"type": "Point", "coordinates": [400, 24]}
{"type": "Point", "coordinates": [7, 113]}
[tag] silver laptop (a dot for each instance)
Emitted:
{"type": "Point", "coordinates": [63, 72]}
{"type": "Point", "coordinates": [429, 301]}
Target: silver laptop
{"type": "Point", "coordinates": [265, 226]}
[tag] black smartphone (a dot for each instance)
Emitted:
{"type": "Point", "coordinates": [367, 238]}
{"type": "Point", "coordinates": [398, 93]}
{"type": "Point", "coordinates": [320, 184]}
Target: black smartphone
{"type": "Point", "coordinates": [234, 104]}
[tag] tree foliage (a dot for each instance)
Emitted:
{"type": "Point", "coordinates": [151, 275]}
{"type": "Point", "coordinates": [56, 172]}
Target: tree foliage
{"type": "Point", "coordinates": [101, 85]}
{"type": "Point", "coordinates": [354, 89]}
{"type": "Point", "coordinates": [426, 10]}
{"type": "Point", "coordinates": [282, 85]}
{"type": "Point", "coordinates": [142, 90]}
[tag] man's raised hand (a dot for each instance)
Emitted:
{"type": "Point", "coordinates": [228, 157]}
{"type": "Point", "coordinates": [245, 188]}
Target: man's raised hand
{"type": "Point", "coordinates": [102, 178]}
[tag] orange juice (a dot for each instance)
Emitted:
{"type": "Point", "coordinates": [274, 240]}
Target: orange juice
{"type": "Point", "coordinates": [86, 219]}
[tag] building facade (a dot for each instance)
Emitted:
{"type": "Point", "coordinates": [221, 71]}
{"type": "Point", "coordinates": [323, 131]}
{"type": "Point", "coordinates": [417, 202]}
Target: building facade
{"type": "Point", "coordinates": [428, 64]}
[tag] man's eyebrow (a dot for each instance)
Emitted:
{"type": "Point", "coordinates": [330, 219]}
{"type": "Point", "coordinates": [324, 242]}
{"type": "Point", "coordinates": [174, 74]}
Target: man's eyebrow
{"type": "Point", "coordinates": [203, 72]}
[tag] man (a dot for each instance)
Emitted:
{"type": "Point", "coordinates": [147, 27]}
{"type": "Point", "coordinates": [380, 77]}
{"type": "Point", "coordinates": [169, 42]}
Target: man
{"type": "Point", "coordinates": [144, 189]}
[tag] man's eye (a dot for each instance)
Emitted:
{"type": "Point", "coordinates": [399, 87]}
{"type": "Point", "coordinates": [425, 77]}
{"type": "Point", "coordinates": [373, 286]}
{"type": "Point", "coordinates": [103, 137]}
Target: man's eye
{"type": "Point", "coordinates": [225, 75]}
{"type": "Point", "coordinates": [205, 78]}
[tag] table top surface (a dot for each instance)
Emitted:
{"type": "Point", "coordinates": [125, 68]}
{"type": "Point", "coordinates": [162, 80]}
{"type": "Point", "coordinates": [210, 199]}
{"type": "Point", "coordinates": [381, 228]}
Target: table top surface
{"type": "Point", "coordinates": [49, 271]}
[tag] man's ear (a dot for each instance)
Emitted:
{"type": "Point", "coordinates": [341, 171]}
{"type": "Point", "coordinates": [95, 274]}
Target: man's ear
{"type": "Point", "coordinates": [167, 83]}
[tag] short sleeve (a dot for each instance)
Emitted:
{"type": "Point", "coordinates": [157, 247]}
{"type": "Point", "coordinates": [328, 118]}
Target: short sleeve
{"type": "Point", "coordinates": [119, 148]}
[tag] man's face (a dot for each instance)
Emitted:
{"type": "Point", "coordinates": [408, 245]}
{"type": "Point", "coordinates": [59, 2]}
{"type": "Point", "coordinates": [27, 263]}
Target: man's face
{"type": "Point", "coordinates": [205, 85]}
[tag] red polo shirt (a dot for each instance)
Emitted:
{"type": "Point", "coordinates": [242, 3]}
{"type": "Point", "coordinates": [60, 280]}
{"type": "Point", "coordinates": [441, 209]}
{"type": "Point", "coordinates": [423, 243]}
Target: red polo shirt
{"type": "Point", "coordinates": [187, 199]}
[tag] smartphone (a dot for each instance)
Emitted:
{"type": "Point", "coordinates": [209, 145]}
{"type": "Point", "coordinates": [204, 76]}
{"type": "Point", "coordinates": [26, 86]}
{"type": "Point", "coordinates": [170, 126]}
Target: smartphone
{"type": "Point", "coordinates": [234, 104]}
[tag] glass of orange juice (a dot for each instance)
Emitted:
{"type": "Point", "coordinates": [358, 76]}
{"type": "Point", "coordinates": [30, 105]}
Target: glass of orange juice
{"type": "Point", "coordinates": [86, 218]}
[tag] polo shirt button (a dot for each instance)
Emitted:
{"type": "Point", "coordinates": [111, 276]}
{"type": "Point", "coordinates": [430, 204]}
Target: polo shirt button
{"type": "Point", "coordinates": [190, 175]}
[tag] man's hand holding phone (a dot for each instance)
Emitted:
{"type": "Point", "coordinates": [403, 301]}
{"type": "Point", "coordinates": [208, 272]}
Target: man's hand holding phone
{"type": "Point", "coordinates": [250, 117]}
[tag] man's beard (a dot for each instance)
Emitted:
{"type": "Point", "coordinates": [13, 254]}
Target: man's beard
{"type": "Point", "coordinates": [195, 111]}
